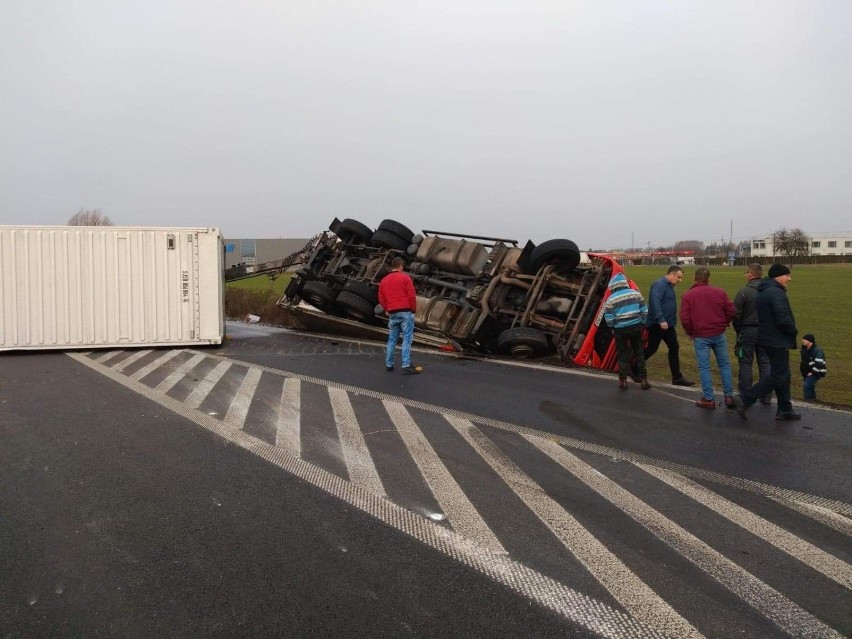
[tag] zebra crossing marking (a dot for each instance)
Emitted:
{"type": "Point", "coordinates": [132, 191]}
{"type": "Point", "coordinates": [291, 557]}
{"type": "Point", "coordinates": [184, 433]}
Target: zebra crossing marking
{"type": "Point", "coordinates": [756, 487]}
{"type": "Point", "coordinates": [237, 411]}
{"type": "Point", "coordinates": [467, 522]}
{"type": "Point", "coordinates": [167, 384]}
{"type": "Point", "coordinates": [823, 515]}
{"type": "Point", "coordinates": [288, 424]}
{"type": "Point", "coordinates": [206, 385]}
{"type": "Point", "coordinates": [629, 590]}
{"type": "Point", "coordinates": [807, 553]}
{"type": "Point", "coordinates": [359, 462]}
{"type": "Point", "coordinates": [783, 612]}
{"type": "Point", "coordinates": [152, 366]}
{"type": "Point", "coordinates": [594, 615]}
{"type": "Point", "coordinates": [462, 514]}
{"type": "Point", "coordinates": [133, 358]}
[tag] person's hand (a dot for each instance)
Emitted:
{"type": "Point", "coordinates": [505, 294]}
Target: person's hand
{"type": "Point", "coordinates": [664, 326]}
{"type": "Point", "coordinates": [810, 374]}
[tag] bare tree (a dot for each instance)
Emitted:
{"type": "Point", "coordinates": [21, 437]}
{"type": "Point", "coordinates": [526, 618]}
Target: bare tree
{"type": "Point", "coordinates": [90, 217]}
{"type": "Point", "coordinates": [791, 243]}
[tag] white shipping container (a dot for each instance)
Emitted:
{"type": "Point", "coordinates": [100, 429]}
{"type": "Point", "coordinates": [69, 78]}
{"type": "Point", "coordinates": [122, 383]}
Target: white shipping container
{"type": "Point", "coordinates": [110, 286]}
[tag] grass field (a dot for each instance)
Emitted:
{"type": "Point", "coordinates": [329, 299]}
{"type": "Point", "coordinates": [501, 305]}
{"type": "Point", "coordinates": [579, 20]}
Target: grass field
{"type": "Point", "coordinates": [818, 294]}
{"type": "Point", "coordinates": [821, 304]}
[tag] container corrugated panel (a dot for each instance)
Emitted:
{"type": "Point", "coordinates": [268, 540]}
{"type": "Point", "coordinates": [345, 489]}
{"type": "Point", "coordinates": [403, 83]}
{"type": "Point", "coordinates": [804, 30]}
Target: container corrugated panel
{"type": "Point", "coordinates": [107, 286]}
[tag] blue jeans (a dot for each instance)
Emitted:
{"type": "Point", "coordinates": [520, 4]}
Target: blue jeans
{"type": "Point", "coordinates": [719, 346]}
{"type": "Point", "coordinates": [810, 386]}
{"type": "Point", "coordinates": [400, 322]}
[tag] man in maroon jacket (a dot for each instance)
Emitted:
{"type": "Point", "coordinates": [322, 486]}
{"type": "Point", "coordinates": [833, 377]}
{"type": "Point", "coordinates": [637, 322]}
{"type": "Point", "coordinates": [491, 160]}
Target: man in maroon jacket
{"type": "Point", "coordinates": [397, 297]}
{"type": "Point", "coordinates": [705, 312]}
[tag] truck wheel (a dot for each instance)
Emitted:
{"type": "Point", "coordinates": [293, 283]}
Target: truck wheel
{"type": "Point", "coordinates": [351, 230]}
{"type": "Point", "coordinates": [386, 239]}
{"type": "Point", "coordinates": [400, 230]}
{"type": "Point", "coordinates": [355, 306]}
{"type": "Point", "coordinates": [364, 290]}
{"type": "Point", "coordinates": [522, 343]}
{"type": "Point", "coordinates": [318, 294]}
{"type": "Point", "coordinates": [563, 253]}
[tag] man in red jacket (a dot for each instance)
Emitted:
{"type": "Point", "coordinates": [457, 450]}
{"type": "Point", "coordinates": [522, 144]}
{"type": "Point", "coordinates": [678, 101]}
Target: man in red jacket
{"type": "Point", "coordinates": [705, 312]}
{"type": "Point", "coordinates": [397, 297]}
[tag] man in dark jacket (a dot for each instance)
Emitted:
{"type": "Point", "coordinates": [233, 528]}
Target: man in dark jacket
{"type": "Point", "coordinates": [745, 324]}
{"type": "Point", "coordinates": [812, 366]}
{"type": "Point", "coordinates": [662, 319]}
{"type": "Point", "coordinates": [705, 313]}
{"type": "Point", "coordinates": [776, 333]}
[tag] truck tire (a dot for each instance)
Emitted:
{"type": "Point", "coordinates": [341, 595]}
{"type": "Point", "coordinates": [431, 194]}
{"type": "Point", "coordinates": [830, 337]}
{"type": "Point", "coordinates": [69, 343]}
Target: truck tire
{"type": "Point", "coordinates": [318, 294]}
{"type": "Point", "coordinates": [364, 290]}
{"type": "Point", "coordinates": [522, 343]}
{"type": "Point", "coordinates": [386, 239]}
{"type": "Point", "coordinates": [563, 253]}
{"type": "Point", "coordinates": [400, 230]}
{"type": "Point", "coordinates": [352, 231]}
{"type": "Point", "coordinates": [356, 306]}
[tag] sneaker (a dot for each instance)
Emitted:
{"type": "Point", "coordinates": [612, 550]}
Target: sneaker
{"type": "Point", "coordinates": [389, 369]}
{"type": "Point", "coordinates": [787, 417]}
{"type": "Point", "coordinates": [412, 370]}
{"type": "Point", "coordinates": [706, 403]}
{"type": "Point", "coordinates": [622, 384]}
{"type": "Point", "coordinates": [682, 382]}
{"type": "Point", "coordinates": [645, 384]}
{"type": "Point", "coordinates": [730, 404]}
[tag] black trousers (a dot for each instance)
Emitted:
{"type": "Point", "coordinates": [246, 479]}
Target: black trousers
{"type": "Point", "coordinates": [669, 336]}
{"type": "Point", "coordinates": [752, 351]}
{"type": "Point", "coordinates": [778, 380]}
{"type": "Point", "coordinates": [628, 341]}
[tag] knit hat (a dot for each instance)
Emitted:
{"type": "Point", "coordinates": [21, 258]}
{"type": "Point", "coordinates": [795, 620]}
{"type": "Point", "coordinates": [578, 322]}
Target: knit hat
{"type": "Point", "coordinates": [618, 281]}
{"type": "Point", "coordinates": [810, 337]}
{"type": "Point", "coordinates": [777, 270]}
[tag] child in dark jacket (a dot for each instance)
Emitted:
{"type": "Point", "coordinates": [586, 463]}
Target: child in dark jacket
{"type": "Point", "coordinates": [812, 365]}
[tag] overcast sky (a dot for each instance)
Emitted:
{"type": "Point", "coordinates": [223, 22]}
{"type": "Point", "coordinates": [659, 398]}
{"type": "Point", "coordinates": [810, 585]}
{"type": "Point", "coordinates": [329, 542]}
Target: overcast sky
{"type": "Point", "coordinates": [608, 123]}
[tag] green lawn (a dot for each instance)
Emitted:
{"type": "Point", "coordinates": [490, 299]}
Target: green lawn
{"type": "Point", "coordinates": [822, 306]}
{"type": "Point", "coordinates": [261, 283]}
{"type": "Point", "coordinates": [818, 295]}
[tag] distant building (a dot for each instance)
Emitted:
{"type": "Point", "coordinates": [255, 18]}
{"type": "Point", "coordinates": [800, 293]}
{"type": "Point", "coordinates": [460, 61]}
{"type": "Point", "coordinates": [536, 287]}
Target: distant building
{"type": "Point", "coordinates": [821, 244]}
{"type": "Point", "coordinates": [252, 252]}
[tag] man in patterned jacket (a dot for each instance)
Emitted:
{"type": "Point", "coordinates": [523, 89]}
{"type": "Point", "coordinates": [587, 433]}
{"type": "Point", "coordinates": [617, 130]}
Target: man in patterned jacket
{"type": "Point", "coordinates": [625, 312]}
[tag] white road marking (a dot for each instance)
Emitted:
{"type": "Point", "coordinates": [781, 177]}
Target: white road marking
{"type": "Point", "coordinates": [462, 515]}
{"type": "Point", "coordinates": [105, 356]}
{"type": "Point", "coordinates": [127, 362]}
{"type": "Point", "coordinates": [576, 607]}
{"type": "Point", "coordinates": [786, 614]}
{"type": "Point", "coordinates": [237, 411]}
{"type": "Point", "coordinates": [204, 386]}
{"type": "Point", "coordinates": [167, 384]}
{"type": "Point", "coordinates": [823, 515]}
{"type": "Point", "coordinates": [630, 591]}
{"type": "Point", "coordinates": [288, 434]}
{"type": "Point", "coordinates": [359, 463]}
{"type": "Point", "coordinates": [750, 485]}
{"type": "Point", "coordinates": [152, 366]}
{"type": "Point", "coordinates": [807, 553]}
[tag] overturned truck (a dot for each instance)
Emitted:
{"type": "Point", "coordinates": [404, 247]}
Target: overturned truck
{"type": "Point", "coordinates": [474, 293]}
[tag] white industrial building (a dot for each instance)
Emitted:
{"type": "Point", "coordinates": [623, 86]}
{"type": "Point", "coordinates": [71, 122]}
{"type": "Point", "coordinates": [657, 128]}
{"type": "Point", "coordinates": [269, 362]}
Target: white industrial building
{"type": "Point", "coordinates": [821, 244]}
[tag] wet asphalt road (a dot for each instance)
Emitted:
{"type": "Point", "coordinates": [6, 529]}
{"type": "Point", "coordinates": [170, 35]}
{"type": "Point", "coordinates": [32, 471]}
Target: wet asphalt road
{"type": "Point", "coordinates": [122, 515]}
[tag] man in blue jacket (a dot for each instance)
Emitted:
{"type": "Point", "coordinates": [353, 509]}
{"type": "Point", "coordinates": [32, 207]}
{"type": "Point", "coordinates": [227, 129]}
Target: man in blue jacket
{"type": "Point", "coordinates": [662, 319]}
{"type": "Point", "coordinates": [776, 333]}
